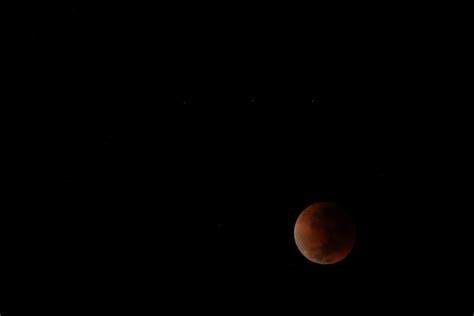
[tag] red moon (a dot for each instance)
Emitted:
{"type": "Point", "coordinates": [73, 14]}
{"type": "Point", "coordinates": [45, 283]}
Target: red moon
{"type": "Point", "coordinates": [324, 233]}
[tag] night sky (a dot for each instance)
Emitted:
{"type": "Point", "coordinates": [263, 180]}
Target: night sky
{"type": "Point", "coordinates": [173, 148]}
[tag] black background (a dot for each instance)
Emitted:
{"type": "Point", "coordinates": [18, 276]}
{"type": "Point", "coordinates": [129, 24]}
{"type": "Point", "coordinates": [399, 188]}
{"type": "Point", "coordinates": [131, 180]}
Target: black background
{"type": "Point", "coordinates": [169, 151]}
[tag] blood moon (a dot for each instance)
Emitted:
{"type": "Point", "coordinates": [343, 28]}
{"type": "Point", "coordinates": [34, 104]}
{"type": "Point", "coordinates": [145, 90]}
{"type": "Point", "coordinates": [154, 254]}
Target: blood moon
{"type": "Point", "coordinates": [324, 233]}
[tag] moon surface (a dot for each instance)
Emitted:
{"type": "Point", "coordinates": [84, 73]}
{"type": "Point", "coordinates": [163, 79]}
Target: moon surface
{"type": "Point", "coordinates": [324, 233]}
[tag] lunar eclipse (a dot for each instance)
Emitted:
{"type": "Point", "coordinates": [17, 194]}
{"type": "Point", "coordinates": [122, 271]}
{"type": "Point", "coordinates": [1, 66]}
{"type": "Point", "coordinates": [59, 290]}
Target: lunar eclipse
{"type": "Point", "coordinates": [324, 233]}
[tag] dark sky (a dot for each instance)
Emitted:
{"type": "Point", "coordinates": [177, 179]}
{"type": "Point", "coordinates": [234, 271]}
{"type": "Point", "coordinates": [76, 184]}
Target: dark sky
{"type": "Point", "coordinates": [174, 149]}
